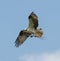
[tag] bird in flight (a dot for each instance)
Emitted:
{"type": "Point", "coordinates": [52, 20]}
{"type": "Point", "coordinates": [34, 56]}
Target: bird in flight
{"type": "Point", "coordinates": [31, 31]}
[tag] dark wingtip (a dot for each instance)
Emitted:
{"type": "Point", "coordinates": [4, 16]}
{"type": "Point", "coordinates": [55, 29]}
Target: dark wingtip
{"type": "Point", "coordinates": [32, 12]}
{"type": "Point", "coordinates": [17, 43]}
{"type": "Point", "coordinates": [30, 15]}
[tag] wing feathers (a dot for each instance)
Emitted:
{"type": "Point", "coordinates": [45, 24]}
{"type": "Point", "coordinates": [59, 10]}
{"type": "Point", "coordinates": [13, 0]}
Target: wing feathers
{"type": "Point", "coordinates": [33, 20]}
{"type": "Point", "coordinates": [23, 35]}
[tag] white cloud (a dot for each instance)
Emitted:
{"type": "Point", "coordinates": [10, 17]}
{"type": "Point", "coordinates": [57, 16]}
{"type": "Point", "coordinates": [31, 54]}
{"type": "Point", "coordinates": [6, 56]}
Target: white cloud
{"type": "Point", "coordinates": [55, 56]}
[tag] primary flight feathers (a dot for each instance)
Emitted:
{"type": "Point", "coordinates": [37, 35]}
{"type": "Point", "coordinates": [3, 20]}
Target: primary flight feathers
{"type": "Point", "coordinates": [31, 31]}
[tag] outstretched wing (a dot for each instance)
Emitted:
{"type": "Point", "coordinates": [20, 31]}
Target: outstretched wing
{"type": "Point", "coordinates": [23, 35]}
{"type": "Point", "coordinates": [33, 20]}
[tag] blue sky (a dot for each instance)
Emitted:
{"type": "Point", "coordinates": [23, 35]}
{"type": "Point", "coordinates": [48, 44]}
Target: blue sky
{"type": "Point", "coordinates": [14, 18]}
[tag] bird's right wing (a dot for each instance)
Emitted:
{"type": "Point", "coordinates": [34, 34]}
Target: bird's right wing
{"type": "Point", "coordinates": [33, 20]}
{"type": "Point", "coordinates": [23, 35]}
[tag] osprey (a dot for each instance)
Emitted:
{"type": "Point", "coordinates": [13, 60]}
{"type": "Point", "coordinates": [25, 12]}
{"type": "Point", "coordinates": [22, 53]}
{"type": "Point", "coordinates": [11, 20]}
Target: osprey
{"type": "Point", "coordinates": [31, 31]}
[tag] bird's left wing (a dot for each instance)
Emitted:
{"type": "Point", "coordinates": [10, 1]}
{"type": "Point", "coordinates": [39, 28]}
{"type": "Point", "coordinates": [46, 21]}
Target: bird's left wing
{"type": "Point", "coordinates": [23, 35]}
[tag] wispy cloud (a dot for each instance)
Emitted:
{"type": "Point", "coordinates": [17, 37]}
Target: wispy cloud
{"type": "Point", "coordinates": [55, 56]}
